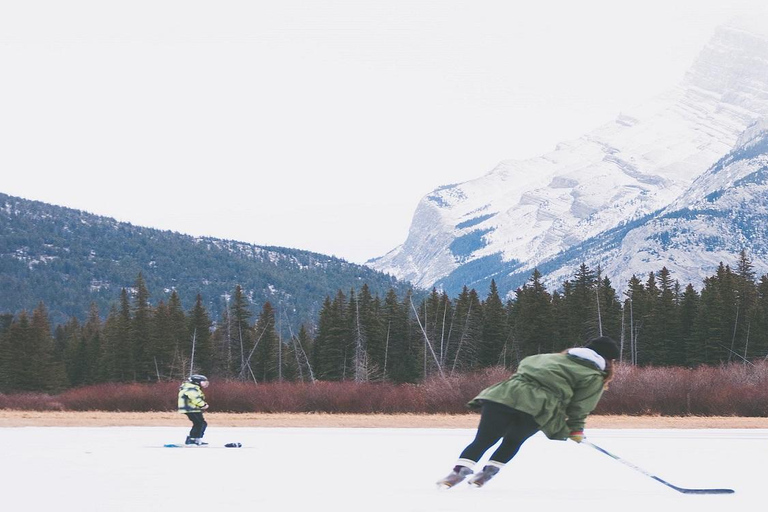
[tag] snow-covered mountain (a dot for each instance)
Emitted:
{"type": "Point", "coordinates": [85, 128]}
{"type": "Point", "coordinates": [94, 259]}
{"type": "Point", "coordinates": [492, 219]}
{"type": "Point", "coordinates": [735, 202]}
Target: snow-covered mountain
{"type": "Point", "coordinates": [724, 211]}
{"type": "Point", "coordinates": [554, 211]}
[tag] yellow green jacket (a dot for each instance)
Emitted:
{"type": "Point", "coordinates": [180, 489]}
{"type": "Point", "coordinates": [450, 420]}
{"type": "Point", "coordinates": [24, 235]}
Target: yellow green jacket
{"type": "Point", "coordinates": [191, 398]}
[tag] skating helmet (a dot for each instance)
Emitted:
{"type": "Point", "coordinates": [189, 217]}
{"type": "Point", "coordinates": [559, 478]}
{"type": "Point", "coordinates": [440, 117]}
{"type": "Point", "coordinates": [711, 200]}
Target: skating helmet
{"type": "Point", "coordinates": [197, 379]}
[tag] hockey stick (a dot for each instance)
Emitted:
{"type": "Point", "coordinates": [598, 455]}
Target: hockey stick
{"type": "Point", "coordinates": [646, 473]}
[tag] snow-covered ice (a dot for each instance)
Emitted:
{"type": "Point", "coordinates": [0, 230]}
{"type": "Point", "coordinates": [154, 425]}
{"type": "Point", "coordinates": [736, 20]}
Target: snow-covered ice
{"type": "Point", "coordinates": [394, 470]}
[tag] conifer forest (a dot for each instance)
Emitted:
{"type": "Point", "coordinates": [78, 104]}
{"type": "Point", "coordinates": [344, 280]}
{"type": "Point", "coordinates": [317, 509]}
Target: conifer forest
{"type": "Point", "coordinates": [362, 337]}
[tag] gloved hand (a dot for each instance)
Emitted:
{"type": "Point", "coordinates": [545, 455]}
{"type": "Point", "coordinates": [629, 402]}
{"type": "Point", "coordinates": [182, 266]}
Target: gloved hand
{"type": "Point", "coordinates": [576, 435]}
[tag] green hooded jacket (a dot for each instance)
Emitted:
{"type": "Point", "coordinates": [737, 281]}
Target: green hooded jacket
{"type": "Point", "coordinates": [558, 390]}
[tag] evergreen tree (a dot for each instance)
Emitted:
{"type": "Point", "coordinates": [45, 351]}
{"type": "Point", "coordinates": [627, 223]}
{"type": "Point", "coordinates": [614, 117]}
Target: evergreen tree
{"type": "Point", "coordinates": [331, 359]}
{"type": "Point", "coordinates": [372, 331]}
{"type": "Point", "coordinates": [466, 332]}
{"type": "Point", "coordinates": [141, 333]}
{"type": "Point", "coordinates": [178, 338]}
{"type": "Point", "coordinates": [635, 305]}
{"type": "Point", "coordinates": [240, 335]}
{"type": "Point", "coordinates": [267, 359]}
{"type": "Point", "coordinates": [74, 352]}
{"type": "Point", "coordinates": [159, 344]}
{"type": "Point", "coordinates": [199, 332]}
{"type": "Point", "coordinates": [401, 362]}
{"type": "Point", "coordinates": [27, 361]}
{"type": "Point", "coordinates": [656, 323]}
{"type": "Point", "coordinates": [667, 318]}
{"type": "Point", "coordinates": [758, 345]}
{"type": "Point", "coordinates": [689, 311]}
{"type": "Point", "coordinates": [580, 305]}
{"type": "Point", "coordinates": [302, 347]}
{"type": "Point", "coordinates": [609, 308]}
{"type": "Point", "coordinates": [16, 372]}
{"type": "Point", "coordinates": [91, 339]}
{"type": "Point", "coordinates": [117, 365]}
{"type": "Point", "coordinates": [494, 329]}
{"type": "Point", "coordinates": [532, 314]}
{"type": "Point", "coordinates": [710, 323]}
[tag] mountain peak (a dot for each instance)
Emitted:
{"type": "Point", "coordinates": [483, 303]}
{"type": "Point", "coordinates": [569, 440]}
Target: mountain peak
{"type": "Point", "coordinates": [541, 212]}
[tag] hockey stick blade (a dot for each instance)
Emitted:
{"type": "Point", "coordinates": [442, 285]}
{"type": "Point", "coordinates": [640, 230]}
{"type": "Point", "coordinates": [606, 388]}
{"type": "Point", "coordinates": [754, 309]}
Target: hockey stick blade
{"type": "Point", "coordinates": [694, 491]}
{"type": "Point", "coordinates": [646, 473]}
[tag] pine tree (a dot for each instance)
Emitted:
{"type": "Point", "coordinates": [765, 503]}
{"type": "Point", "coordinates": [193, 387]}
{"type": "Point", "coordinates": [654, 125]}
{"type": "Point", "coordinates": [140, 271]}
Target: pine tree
{"type": "Point", "coordinates": [668, 320]}
{"type": "Point", "coordinates": [466, 332]}
{"type": "Point", "coordinates": [633, 325]}
{"type": "Point", "coordinates": [302, 347]}
{"type": "Point", "coordinates": [656, 321]}
{"type": "Point", "coordinates": [199, 333]}
{"type": "Point", "coordinates": [141, 332]}
{"type": "Point", "coordinates": [758, 345]}
{"type": "Point", "coordinates": [401, 362]}
{"type": "Point", "coordinates": [532, 316]}
{"type": "Point", "coordinates": [266, 362]}
{"type": "Point", "coordinates": [117, 364]}
{"type": "Point", "coordinates": [689, 311]}
{"type": "Point", "coordinates": [331, 357]}
{"type": "Point", "coordinates": [494, 329]}
{"type": "Point", "coordinates": [609, 308]}
{"type": "Point", "coordinates": [92, 340]}
{"type": "Point", "coordinates": [710, 322]}
{"type": "Point", "coordinates": [240, 334]}
{"type": "Point", "coordinates": [72, 342]}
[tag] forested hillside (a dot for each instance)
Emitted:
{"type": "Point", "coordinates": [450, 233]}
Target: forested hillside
{"type": "Point", "coordinates": [364, 337]}
{"type": "Point", "coordinates": [69, 259]}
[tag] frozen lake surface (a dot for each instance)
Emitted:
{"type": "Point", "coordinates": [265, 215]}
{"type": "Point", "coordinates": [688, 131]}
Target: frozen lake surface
{"type": "Point", "coordinates": [286, 469]}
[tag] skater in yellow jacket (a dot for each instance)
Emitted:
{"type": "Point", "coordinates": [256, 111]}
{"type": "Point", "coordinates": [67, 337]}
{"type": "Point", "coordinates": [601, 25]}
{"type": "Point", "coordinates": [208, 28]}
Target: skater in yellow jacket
{"type": "Point", "coordinates": [192, 403]}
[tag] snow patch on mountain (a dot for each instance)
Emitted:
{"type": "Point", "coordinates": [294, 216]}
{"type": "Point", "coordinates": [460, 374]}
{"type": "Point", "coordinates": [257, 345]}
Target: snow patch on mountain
{"type": "Point", "coordinates": [548, 209]}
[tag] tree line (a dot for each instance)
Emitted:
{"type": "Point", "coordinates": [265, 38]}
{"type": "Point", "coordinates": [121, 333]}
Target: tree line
{"type": "Point", "coordinates": [362, 337]}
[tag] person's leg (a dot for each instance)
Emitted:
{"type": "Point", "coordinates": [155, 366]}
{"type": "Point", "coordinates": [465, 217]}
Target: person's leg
{"type": "Point", "coordinates": [203, 425]}
{"type": "Point", "coordinates": [494, 420]}
{"type": "Point", "coordinates": [197, 424]}
{"type": "Point", "coordinates": [521, 428]}
{"type": "Point", "coordinates": [518, 431]}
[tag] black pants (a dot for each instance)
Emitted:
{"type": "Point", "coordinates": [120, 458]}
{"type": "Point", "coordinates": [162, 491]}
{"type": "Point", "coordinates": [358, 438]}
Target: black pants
{"type": "Point", "coordinates": [498, 421]}
{"type": "Point", "coordinates": [198, 424]}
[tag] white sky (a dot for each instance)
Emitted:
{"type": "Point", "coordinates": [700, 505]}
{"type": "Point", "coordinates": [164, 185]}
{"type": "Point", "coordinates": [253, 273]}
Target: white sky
{"type": "Point", "coordinates": [313, 124]}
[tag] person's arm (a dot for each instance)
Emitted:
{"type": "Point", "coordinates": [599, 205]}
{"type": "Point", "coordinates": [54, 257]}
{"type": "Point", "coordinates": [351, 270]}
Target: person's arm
{"type": "Point", "coordinates": [583, 402]}
{"type": "Point", "coordinates": [196, 400]}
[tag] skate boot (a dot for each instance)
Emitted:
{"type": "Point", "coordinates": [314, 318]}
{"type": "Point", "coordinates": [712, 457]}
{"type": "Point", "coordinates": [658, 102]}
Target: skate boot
{"type": "Point", "coordinates": [200, 442]}
{"type": "Point", "coordinates": [190, 440]}
{"type": "Point", "coordinates": [456, 476]}
{"type": "Point", "coordinates": [481, 478]}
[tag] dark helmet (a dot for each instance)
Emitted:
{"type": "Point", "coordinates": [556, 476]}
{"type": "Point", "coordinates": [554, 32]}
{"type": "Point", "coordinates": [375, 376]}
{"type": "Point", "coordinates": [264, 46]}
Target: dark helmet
{"type": "Point", "coordinates": [197, 379]}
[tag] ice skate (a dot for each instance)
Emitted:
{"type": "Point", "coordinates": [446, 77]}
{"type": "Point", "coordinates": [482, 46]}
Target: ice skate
{"type": "Point", "coordinates": [456, 476]}
{"type": "Point", "coordinates": [481, 478]}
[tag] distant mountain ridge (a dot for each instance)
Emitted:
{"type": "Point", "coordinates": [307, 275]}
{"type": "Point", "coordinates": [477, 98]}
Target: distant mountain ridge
{"type": "Point", "coordinates": [580, 202]}
{"type": "Point", "coordinates": [69, 258]}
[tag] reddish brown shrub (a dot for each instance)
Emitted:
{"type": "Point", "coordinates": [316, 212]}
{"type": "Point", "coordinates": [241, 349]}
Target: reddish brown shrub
{"type": "Point", "coordinates": [30, 402]}
{"type": "Point", "coordinates": [727, 390]}
{"type": "Point", "coordinates": [121, 397]}
{"type": "Point", "coordinates": [735, 389]}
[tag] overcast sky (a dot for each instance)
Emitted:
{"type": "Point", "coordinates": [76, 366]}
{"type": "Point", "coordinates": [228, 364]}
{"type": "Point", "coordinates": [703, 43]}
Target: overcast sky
{"type": "Point", "coordinates": [317, 125]}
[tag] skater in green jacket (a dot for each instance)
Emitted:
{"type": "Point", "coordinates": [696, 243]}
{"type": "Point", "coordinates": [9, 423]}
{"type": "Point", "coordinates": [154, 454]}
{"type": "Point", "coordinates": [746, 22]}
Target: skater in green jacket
{"type": "Point", "coordinates": [192, 403]}
{"type": "Point", "coordinates": [553, 393]}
